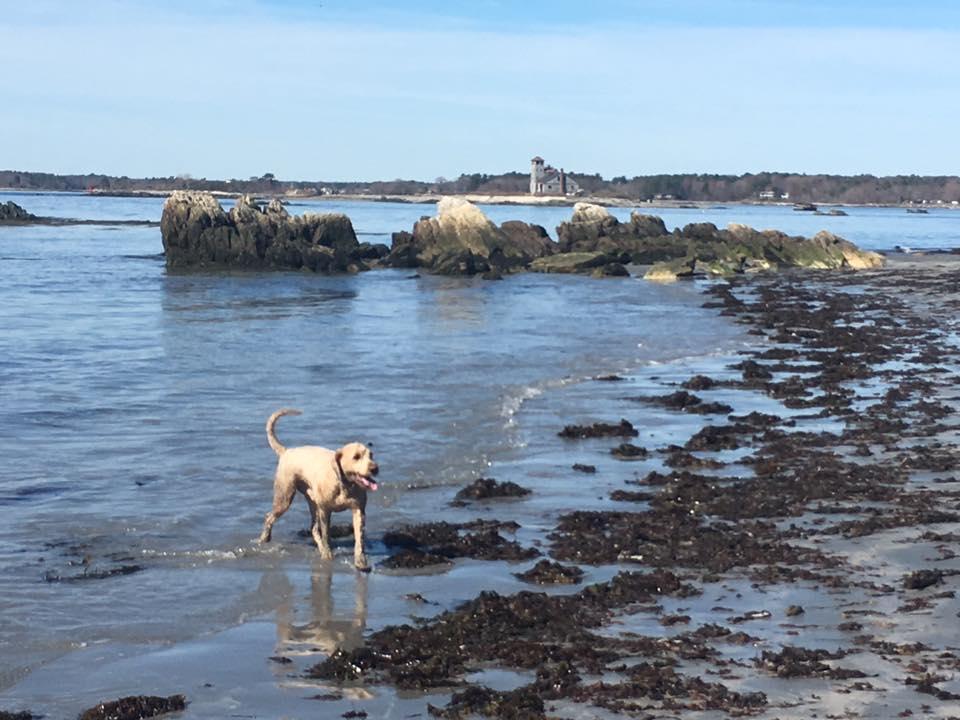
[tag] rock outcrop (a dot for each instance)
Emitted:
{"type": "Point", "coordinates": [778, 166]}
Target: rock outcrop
{"type": "Point", "coordinates": [197, 232]}
{"type": "Point", "coordinates": [461, 240]}
{"type": "Point", "coordinates": [739, 249]}
{"type": "Point", "coordinates": [696, 249]}
{"type": "Point", "coordinates": [10, 212]}
{"type": "Point", "coordinates": [593, 229]}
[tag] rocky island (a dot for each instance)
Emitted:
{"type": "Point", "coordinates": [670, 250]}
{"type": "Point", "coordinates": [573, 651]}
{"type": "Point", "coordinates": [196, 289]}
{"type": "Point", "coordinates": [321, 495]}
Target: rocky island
{"type": "Point", "coordinates": [198, 232]}
{"type": "Point", "coordinates": [10, 212]}
{"type": "Point", "coordinates": [462, 240]}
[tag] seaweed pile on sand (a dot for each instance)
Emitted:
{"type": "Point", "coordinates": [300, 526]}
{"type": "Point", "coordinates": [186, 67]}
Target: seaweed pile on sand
{"type": "Point", "coordinates": [858, 464]}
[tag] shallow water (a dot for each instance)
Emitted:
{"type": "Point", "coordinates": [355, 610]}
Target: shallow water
{"type": "Point", "coordinates": [134, 402]}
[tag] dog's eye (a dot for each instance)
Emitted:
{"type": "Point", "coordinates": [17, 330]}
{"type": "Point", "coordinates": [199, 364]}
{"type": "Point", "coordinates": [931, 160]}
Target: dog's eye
{"type": "Point", "coordinates": [357, 456]}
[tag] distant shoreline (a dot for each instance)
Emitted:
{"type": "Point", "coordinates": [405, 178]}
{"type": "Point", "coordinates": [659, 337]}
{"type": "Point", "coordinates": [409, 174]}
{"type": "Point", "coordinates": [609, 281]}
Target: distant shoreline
{"type": "Point", "coordinates": [485, 199]}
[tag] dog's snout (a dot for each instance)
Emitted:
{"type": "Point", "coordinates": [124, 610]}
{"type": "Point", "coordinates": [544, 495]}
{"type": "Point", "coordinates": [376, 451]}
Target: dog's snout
{"type": "Point", "coordinates": [374, 469]}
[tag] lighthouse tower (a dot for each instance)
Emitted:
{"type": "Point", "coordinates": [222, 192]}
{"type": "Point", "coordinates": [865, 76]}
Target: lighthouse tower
{"type": "Point", "coordinates": [536, 175]}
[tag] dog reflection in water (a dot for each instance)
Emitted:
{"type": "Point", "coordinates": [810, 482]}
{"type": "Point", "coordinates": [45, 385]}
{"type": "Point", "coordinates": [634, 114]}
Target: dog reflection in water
{"type": "Point", "coordinates": [320, 628]}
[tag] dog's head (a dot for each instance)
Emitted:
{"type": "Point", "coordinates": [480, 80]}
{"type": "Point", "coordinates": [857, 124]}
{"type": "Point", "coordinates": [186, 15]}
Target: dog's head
{"type": "Point", "coordinates": [357, 464]}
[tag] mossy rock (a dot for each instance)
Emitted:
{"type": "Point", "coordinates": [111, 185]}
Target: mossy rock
{"type": "Point", "coordinates": [575, 262]}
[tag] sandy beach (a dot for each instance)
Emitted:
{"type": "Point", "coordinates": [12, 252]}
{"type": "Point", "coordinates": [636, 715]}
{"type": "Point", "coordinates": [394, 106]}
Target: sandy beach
{"type": "Point", "coordinates": [768, 534]}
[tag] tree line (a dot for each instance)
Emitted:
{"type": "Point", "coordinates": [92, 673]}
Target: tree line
{"type": "Point", "coordinates": [852, 189]}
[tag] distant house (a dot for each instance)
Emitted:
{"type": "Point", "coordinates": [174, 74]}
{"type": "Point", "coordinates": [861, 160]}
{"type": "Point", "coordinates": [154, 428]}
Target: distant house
{"type": "Point", "coordinates": [773, 195]}
{"type": "Point", "coordinates": [546, 180]}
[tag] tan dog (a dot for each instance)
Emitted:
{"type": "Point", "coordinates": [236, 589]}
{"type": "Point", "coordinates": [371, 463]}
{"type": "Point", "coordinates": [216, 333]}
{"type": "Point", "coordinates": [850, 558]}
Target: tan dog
{"type": "Point", "coordinates": [331, 481]}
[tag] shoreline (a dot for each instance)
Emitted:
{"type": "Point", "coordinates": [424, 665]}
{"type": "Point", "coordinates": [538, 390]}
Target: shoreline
{"type": "Point", "coordinates": [485, 199]}
{"type": "Point", "coordinates": [858, 616]}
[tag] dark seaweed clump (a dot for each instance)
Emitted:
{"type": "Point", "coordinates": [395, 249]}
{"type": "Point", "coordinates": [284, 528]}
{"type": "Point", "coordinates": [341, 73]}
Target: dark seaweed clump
{"type": "Point", "coordinates": [599, 430]}
{"type": "Point", "coordinates": [684, 401]}
{"type": "Point", "coordinates": [428, 543]}
{"type": "Point", "coordinates": [135, 707]}
{"type": "Point", "coordinates": [487, 488]}
{"type": "Point", "coordinates": [546, 572]}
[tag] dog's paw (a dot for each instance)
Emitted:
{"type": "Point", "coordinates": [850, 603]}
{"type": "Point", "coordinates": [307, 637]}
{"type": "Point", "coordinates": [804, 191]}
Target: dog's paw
{"type": "Point", "coordinates": [361, 564]}
{"type": "Point", "coordinates": [326, 555]}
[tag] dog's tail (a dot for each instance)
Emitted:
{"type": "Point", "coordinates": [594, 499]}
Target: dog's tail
{"type": "Point", "coordinates": [278, 448]}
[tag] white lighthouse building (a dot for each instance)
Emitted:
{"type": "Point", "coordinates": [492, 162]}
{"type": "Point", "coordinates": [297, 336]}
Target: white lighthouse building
{"type": "Point", "coordinates": [546, 180]}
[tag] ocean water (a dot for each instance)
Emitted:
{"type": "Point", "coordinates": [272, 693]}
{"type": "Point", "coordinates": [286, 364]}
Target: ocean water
{"type": "Point", "coordinates": [133, 405]}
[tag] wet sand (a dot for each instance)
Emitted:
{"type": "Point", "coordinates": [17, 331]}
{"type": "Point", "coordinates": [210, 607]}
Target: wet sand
{"type": "Point", "coordinates": [779, 542]}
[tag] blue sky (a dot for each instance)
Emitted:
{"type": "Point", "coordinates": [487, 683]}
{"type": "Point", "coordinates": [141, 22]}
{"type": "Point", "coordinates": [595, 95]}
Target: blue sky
{"type": "Point", "coordinates": [369, 89]}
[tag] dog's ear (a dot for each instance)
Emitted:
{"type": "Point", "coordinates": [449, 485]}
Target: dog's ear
{"type": "Point", "coordinates": [338, 456]}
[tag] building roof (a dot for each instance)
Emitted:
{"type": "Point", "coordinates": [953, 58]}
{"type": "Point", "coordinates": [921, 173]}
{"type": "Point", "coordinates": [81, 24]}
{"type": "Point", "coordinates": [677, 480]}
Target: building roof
{"type": "Point", "coordinates": [537, 159]}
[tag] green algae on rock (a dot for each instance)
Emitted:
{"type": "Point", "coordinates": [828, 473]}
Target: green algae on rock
{"type": "Point", "coordinates": [741, 249]}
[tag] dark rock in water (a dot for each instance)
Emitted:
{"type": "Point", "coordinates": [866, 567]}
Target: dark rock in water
{"type": "Point", "coordinates": [609, 378]}
{"type": "Point", "coordinates": [613, 269]}
{"type": "Point", "coordinates": [10, 212]}
{"type": "Point", "coordinates": [197, 232]}
{"type": "Point", "coordinates": [547, 572]}
{"type": "Point", "coordinates": [372, 251]}
{"type": "Point", "coordinates": [572, 262]}
{"type": "Point", "coordinates": [598, 430]}
{"type": "Point", "coordinates": [461, 240]}
{"type": "Point", "coordinates": [699, 382]}
{"type": "Point", "coordinates": [22, 715]}
{"type": "Point", "coordinates": [135, 708]}
{"type": "Point", "coordinates": [486, 488]}
{"type": "Point", "coordinates": [794, 610]}
{"type": "Point", "coordinates": [628, 451]}
{"type": "Point", "coordinates": [738, 249]}
{"type": "Point", "coordinates": [921, 579]}
{"type": "Point", "coordinates": [647, 225]}
{"type": "Point", "coordinates": [699, 231]}
{"type": "Point", "coordinates": [592, 229]}
{"type": "Point", "coordinates": [530, 239]}
{"type": "Point", "coordinates": [588, 469]}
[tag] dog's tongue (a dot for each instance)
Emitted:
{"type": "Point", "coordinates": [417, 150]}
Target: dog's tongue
{"type": "Point", "coordinates": [367, 483]}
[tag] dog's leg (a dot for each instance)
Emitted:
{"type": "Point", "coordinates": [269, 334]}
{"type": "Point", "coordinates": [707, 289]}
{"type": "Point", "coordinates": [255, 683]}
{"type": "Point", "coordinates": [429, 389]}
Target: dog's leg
{"type": "Point", "coordinates": [321, 534]}
{"type": "Point", "coordinates": [316, 532]}
{"type": "Point", "coordinates": [359, 556]}
{"type": "Point", "coordinates": [283, 493]}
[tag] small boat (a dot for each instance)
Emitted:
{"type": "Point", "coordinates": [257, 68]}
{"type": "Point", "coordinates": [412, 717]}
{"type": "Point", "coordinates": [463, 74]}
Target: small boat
{"type": "Point", "coordinates": [917, 211]}
{"type": "Point", "coordinates": [805, 207]}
